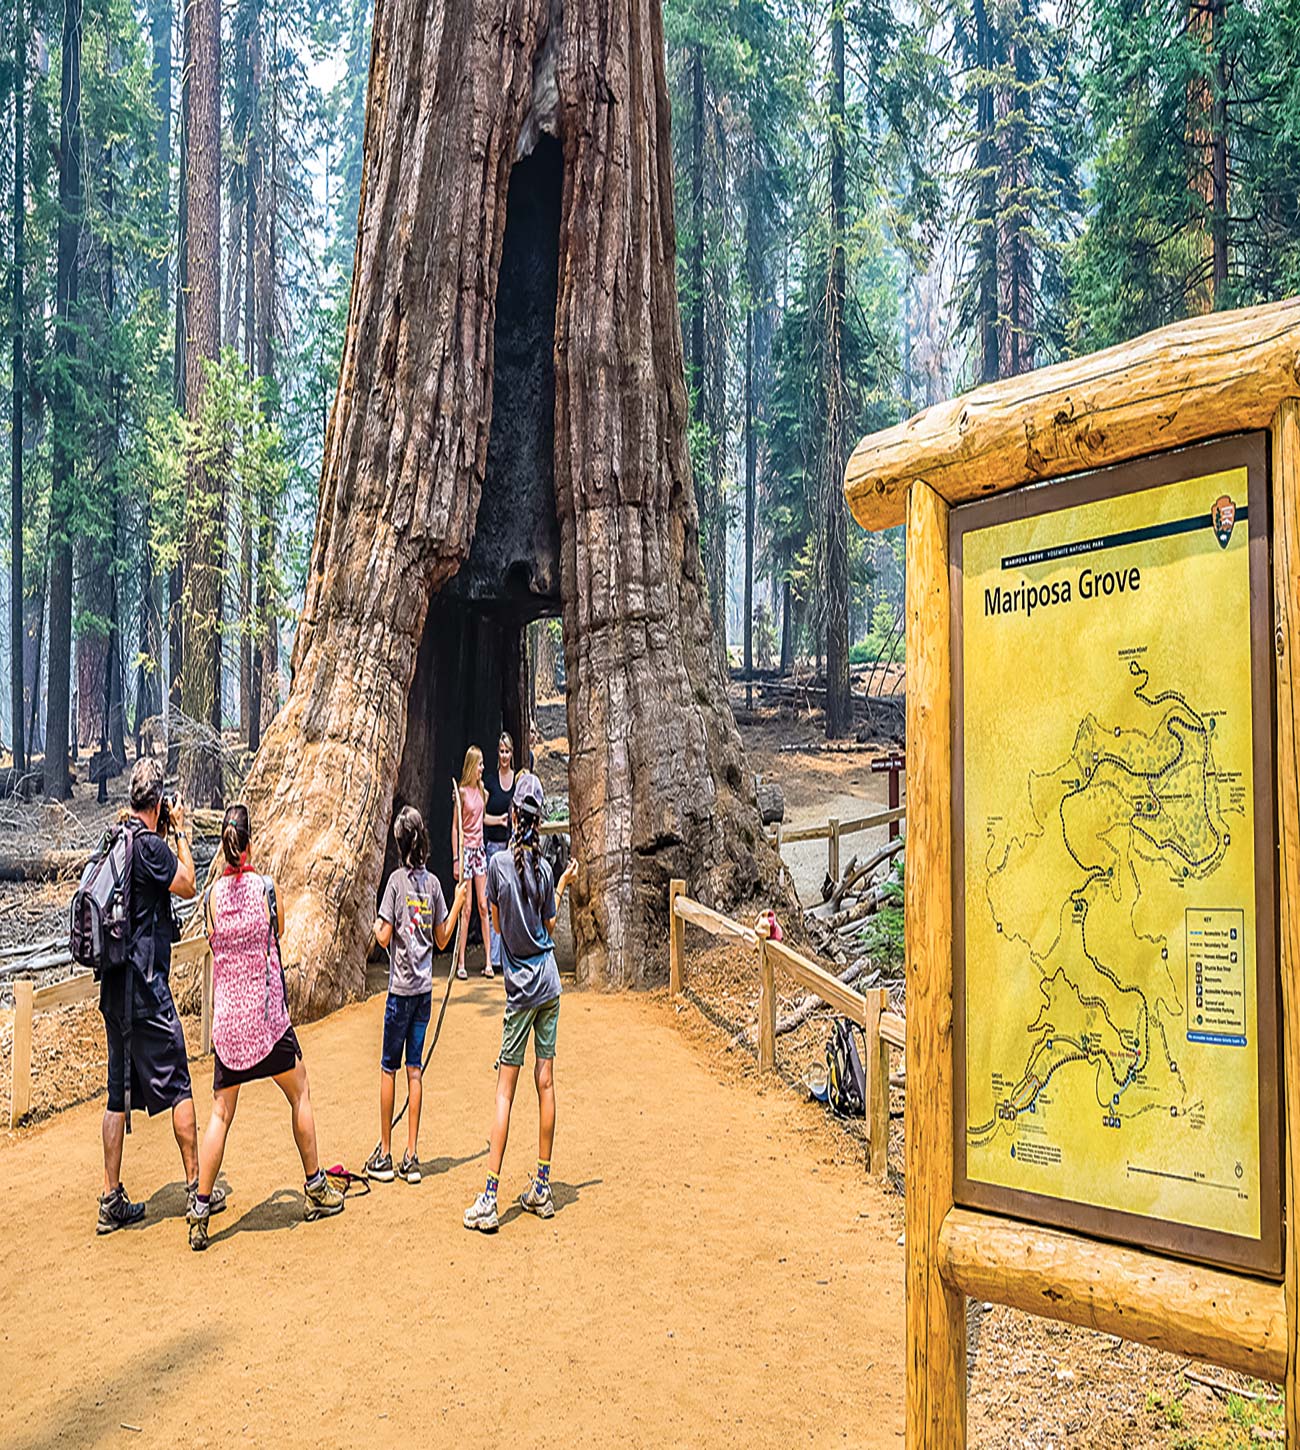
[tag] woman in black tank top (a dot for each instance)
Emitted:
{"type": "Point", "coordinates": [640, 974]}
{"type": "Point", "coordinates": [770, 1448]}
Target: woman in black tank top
{"type": "Point", "coordinates": [500, 785]}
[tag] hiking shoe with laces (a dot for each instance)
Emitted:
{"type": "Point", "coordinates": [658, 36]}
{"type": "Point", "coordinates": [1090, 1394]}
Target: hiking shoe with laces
{"type": "Point", "coordinates": [536, 1198]}
{"type": "Point", "coordinates": [198, 1219]}
{"type": "Point", "coordinates": [216, 1199]}
{"type": "Point", "coordinates": [323, 1200]}
{"type": "Point", "coordinates": [409, 1168]}
{"type": "Point", "coordinates": [380, 1166]}
{"type": "Point", "coordinates": [117, 1211]}
{"type": "Point", "coordinates": [482, 1214]}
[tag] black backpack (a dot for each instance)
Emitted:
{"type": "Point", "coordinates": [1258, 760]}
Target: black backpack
{"type": "Point", "coordinates": [846, 1078]}
{"type": "Point", "coordinates": [100, 931]}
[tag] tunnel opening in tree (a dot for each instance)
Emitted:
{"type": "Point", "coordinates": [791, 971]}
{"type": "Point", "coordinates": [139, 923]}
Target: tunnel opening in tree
{"type": "Point", "coordinates": [472, 672]}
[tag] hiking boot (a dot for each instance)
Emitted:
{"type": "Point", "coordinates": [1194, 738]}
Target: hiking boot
{"type": "Point", "coordinates": [323, 1199]}
{"type": "Point", "coordinates": [482, 1214]}
{"type": "Point", "coordinates": [379, 1166]}
{"type": "Point", "coordinates": [216, 1199]}
{"type": "Point", "coordinates": [198, 1219]}
{"type": "Point", "coordinates": [536, 1198]}
{"type": "Point", "coordinates": [409, 1168]}
{"type": "Point", "coordinates": [117, 1211]}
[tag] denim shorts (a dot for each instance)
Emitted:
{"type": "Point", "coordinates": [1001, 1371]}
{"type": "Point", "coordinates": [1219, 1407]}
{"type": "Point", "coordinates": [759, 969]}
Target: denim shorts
{"type": "Point", "coordinates": [406, 1019]}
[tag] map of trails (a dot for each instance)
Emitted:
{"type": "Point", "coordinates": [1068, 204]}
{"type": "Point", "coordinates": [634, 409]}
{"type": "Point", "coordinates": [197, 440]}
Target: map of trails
{"type": "Point", "coordinates": [1108, 856]}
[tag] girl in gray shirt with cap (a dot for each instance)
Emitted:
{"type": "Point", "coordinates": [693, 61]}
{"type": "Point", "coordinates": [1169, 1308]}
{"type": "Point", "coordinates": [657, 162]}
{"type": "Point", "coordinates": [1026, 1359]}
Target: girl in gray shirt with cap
{"type": "Point", "coordinates": [523, 900]}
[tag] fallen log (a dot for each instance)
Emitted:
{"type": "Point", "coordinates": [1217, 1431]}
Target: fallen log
{"type": "Point", "coordinates": [47, 866]}
{"type": "Point", "coordinates": [869, 904]}
{"type": "Point", "coordinates": [40, 963]}
{"type": "Point", "coordinates": [855, 874]}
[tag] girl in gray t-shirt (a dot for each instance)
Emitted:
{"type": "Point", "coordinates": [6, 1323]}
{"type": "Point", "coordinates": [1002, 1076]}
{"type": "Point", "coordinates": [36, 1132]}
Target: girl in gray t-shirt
{"type": "Point", "coordinates": [523, 900]}
{"type": "Point", "coordinates": [413, 920]}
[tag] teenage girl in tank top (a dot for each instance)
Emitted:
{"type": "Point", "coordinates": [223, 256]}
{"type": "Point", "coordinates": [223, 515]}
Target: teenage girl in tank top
{"type": "Point", "coordinates": [473, 805]}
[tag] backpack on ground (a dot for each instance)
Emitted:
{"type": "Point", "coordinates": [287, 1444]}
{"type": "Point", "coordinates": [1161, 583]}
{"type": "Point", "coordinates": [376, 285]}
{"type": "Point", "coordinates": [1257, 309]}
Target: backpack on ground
{"type": "Point", "coordinates": [846, 1078]}
{"type": "Point", "coordinates": [100, 931]}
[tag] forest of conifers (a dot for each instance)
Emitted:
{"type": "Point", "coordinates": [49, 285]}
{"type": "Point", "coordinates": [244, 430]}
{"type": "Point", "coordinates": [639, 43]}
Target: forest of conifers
{"type": "Point", "coordinates": [878, 206]}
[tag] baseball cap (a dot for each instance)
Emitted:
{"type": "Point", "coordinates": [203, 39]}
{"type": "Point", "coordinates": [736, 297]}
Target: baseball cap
{"type": "Point", "coordinates": [528, 792]}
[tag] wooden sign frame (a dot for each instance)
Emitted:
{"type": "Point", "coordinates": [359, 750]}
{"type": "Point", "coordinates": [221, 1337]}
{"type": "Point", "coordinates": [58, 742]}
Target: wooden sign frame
{"type": "Point", "coordinates": [1203, 379]}
{"type": "Point", "coordinates": [1249, 452]}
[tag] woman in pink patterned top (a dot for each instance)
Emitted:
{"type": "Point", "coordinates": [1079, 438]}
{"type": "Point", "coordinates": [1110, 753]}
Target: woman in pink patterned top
{"type": "Point", "coordinates": [252, 1036]}
{"type": "Point", "coordinates": [473, 805]}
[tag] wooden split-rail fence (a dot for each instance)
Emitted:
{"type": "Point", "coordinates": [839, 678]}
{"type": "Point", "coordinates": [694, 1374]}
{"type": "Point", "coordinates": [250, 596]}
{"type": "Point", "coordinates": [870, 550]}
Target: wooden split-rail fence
{"type": "Point", "coordinates": [882, 1028]}
{"type": "Point", "coordinates": [833, 832]}
{"type": "Point", "coordinates": [29, 1000]}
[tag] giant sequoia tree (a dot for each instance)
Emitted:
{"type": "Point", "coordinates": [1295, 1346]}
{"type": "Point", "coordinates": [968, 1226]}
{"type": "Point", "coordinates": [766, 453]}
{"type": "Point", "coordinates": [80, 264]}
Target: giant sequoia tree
{"type": "Point", "coordinates": [403, 619]}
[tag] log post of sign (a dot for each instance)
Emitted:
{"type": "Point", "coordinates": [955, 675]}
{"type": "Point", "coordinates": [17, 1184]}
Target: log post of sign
{"type": "Point", "coordinates": [1040, 1125]}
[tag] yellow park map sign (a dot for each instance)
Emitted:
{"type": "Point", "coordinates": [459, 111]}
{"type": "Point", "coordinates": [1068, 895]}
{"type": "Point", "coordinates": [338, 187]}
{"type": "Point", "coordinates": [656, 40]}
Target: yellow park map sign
{"type": "Point", "coordinates": [1107, 852]}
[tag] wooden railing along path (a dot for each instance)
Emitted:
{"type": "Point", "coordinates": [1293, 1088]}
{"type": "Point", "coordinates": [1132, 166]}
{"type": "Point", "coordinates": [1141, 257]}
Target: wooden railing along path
{"type": "Point", "coordinates": [30, 999]}
{"type": "Point", "coordinates": [882, 1028]}
{"type": "Point", "coordinates": [833, 831]}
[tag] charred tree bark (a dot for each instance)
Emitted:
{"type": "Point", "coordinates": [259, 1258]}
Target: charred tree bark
{"type": "Point", "coordinates": [658, 781]}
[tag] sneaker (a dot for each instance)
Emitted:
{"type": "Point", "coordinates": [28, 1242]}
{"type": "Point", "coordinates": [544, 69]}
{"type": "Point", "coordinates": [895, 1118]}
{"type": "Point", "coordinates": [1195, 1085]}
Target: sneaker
{"type": "Point", "coordinates": [324, 1200]}
{"type": "Point", "coordinates": [216, 1200]}
{"type": "Point", "coordinates": [198, 1220]}
{"type": "Point", "coordinates": [379, 1166]}
{"type": "Point", "coordinates": [461, 972]}
{"type": "Point", "coordinates": [409, 1168]}
{"type": "Point", "coordinates": [482, 1214]}
{"type": "Point", "coordinates": [536, 1198]}
{"type": "Point", "coordinates": [117, 1211]}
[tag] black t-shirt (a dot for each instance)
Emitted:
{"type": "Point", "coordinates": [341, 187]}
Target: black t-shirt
{"type": "Point", "coordinates": [499, 802]}
{"type": "Point", "coordinates": [153, 868]}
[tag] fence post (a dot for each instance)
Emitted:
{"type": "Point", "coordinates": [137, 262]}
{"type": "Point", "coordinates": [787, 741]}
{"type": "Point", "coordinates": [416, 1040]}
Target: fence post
{"type": "Point", "coordinates": [766, 1010]}
{"type": "Point", "coordinates": [676, 938]}
{"type": "Point", "coordinates": [833, 849]}
{"type": "Point", "coordinates": [20, 1096]}
{"type": "Point", "coordinates": [877, 1073]}
{"type": "Point", "coordinates": [205, 1009]}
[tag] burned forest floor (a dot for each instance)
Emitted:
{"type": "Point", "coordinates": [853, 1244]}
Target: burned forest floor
{"type": "Point", "coordinates": [1031, 1383]}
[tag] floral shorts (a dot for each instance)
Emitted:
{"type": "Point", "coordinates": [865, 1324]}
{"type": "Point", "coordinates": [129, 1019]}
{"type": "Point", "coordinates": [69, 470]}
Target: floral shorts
{"type": "Point", "coordinates": [475, 862]}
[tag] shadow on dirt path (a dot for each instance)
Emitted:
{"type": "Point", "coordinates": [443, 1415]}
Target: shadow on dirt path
{"type": "Point", "coordinates": [696, 1286]}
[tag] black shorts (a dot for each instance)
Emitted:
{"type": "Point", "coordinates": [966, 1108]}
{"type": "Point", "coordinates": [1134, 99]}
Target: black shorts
{"type": "Point", "coordinates": [160, 1070]}
{"type": "Point", "coordinates": [283, 1057]}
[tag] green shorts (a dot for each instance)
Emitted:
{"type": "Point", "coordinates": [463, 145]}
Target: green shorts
{"type": "Point", "coordinates": [541, 1021]}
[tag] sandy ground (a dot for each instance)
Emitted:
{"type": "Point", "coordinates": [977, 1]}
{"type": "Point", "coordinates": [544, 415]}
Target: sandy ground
{"type": "Point", "coordinates": [717, 1272]}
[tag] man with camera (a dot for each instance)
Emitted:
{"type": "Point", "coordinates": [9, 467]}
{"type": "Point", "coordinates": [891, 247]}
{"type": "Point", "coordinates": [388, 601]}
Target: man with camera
{"type": "Point", "coordinates": [147, 1062]}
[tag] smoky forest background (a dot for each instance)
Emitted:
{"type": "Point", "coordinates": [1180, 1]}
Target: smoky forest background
{"type": "Point", "coordinates": [879, 205]}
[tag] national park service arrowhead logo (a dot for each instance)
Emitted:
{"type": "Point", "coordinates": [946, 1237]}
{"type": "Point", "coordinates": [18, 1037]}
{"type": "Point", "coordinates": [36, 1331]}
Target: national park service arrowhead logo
{"type": "Point", "coordinates": [1222, 517]}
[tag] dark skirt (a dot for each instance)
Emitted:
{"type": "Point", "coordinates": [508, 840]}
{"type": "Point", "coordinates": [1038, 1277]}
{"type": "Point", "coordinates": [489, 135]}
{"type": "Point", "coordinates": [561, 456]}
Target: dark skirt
{"type": "Point", "coordinates": [281, 1058]}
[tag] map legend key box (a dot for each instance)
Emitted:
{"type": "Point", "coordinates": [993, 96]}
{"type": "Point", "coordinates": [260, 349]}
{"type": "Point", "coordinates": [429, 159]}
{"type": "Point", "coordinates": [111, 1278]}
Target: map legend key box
{"type": "Point", "coordinates": [1216, 976]}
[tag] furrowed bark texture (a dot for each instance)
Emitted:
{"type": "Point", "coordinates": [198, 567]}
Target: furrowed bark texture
{"type": "Point", "coordinates": [404, 461]}
{"type": "Point", "coordinates": [658, 783]}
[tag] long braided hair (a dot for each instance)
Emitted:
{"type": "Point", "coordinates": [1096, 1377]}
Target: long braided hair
{"type": "Point", "coordinates": [526, 843]}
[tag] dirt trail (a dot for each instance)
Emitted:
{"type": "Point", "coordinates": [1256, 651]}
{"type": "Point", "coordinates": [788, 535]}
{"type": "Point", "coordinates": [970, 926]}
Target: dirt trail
{"type": "Point", "coordinates": [713, 1276]}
